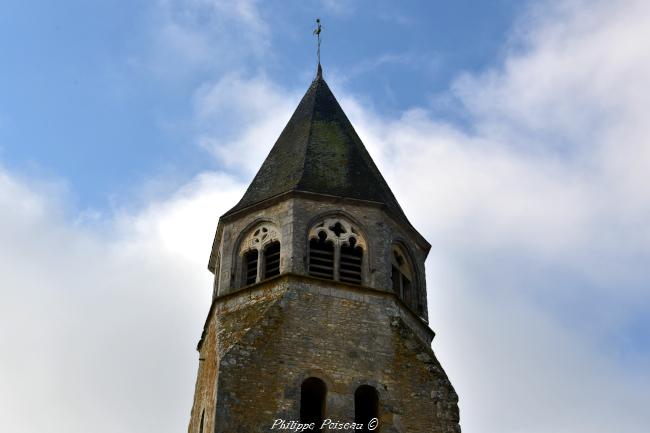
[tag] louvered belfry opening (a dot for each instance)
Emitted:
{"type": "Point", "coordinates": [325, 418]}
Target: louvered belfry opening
{"type": "Point", "coordinates": [272, 260]}
{"type": "Point", "coordinates": [250, 266]}
{"type": "Point", "coordinates": [321, 257]}
{"type": "Point", "coordinates": [350, 264]}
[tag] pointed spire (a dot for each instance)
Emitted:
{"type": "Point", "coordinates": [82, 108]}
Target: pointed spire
{"type": "Point", "coordinates": [319, 72]}
{"type": "Point", "coordinates": [319, 152]}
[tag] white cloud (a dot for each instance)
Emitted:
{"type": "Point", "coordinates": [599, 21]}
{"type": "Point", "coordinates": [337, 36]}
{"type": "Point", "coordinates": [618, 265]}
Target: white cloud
{"type": "Point", "coordinates": [538, 219]}
{"type": "Point", "coordinates": [190, 36]}
{"type": "Point", "coordinates": [538, 267]}
{"type": "Point", "coordinates": [239, 118]}
{"type": "Point", "coordinates": [99, 329]}
{"type": "Point", "coordinates": [339, 7]}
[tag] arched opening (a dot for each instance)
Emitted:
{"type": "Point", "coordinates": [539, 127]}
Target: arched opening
{"type": "Point", "coordinates": [350, 265]}
{"type": "Point", "coordinates": [250, 266]}
{"type": "Point", "coordinates": [321, 257]}
{"type": "Point", "coordinates": [201, 424]}
{"type": "Point", "coordinates": [272, 260]}
{"type": "Point", "coordinates": [402, 279]}
{"type": "Point", "coordinates": [313, 393]}
{"type": "Point", "coordinates": [366, 406]}
{"type": "Point", "coordinates": [336, 251]}
{"type": "Point", "coordinates": [259, 252]}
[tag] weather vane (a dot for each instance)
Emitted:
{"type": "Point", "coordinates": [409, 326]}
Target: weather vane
{"type": "Point", "coordinates": [317, 33]}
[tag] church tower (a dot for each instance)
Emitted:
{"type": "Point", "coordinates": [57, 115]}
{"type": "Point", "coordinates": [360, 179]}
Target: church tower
{"type": "Point", "coordinates": [319, 309]}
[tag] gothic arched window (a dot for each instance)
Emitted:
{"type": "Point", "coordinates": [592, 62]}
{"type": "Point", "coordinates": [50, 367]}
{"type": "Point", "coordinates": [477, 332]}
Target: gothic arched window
{"type": "Point", "coordinates": [402, 277]}
{"type": "Point", "coordinates": [366, 406]}
{"type": "Point", "coordinates": [260, 254]}
{"type": "Point", "coordinates": [336, 251]}
{"type": "Point", "coordinates": [313, 394]}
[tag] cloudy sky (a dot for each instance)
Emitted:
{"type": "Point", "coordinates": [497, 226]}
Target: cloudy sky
{"type": "Point", "coordinates": [516, 135]}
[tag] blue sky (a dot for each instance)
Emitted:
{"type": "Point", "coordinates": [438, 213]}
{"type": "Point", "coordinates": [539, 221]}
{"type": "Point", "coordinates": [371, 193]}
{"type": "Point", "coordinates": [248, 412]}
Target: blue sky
{"type": "Point", "coordinates": [111, 113]}
{"type": "Point", "coordinates": [514, 135]}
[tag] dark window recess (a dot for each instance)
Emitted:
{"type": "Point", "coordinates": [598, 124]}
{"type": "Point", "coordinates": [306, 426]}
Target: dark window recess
{"type": "Point", "coordinates": [406, 291]}
{"type": "Point", "coordinates": [366, 406]}
{"type": "Point", "coordinates": [321, 257]}
{"type": "Point", "coordinates": [395, 276]}
{"type": "Point", "coordinates": [402, 285]}
{"type": "Point", "coordinates": [350, 265]}
{"type": "Point", "coordinates": [272, 260]}
{"type": "Point", "coordinates": [201, 425]}
{"type": "Point", "coordinates": [250, 266]}
{"type": "Point", "coordinates": [312, 402]}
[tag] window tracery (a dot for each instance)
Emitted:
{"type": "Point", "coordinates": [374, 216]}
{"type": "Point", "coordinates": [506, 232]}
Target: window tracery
{"type": "Point", "coordinates": [260, 254]}
{"type": "Point", "coordinates": [336, 251]}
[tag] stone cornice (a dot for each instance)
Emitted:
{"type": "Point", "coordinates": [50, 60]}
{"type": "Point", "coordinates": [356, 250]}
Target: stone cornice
{"type": "Point", "coordinates": [330, 288]}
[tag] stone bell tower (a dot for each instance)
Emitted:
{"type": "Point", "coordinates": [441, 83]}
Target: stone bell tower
{"type": "Point", "coordinates": [319, 309]}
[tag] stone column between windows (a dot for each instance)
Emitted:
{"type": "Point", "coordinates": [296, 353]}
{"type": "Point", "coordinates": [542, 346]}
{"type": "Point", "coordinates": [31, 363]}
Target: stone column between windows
{"type": "Point", "coordinates": [337, 260]}
{"type": "Point", "coordinates": [260, 265]}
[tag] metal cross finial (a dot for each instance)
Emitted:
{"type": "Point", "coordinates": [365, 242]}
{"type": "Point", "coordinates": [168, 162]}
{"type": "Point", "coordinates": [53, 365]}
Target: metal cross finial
{"type": "Point", "coordinates": [317, 33]}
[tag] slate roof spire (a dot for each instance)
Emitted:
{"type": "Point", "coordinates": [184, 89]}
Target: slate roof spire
{"type": "Point", "coordinates": [319, 152]}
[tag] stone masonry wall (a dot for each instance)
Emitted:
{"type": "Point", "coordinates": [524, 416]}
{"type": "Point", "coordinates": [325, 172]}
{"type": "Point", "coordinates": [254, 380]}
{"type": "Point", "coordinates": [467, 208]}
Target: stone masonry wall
{"type": "Point", "coordinates": [262, 342]}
